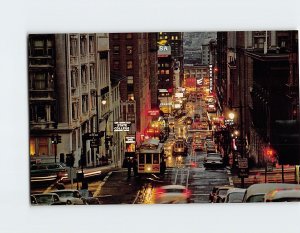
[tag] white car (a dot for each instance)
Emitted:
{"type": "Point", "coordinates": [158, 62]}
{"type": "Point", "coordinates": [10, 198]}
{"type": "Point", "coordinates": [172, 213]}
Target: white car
{"type": "Point", "coordinates": [70, 196]}
{"type": "Point", "coordinates": [171, 194]}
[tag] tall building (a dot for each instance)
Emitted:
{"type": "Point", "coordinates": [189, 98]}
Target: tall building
{"type": "Point", "coordinates": [262, 77]}
{"type": "Point", "coordinates": [130, 57]}
{"type": "Point", "coordinates": [67, 75]}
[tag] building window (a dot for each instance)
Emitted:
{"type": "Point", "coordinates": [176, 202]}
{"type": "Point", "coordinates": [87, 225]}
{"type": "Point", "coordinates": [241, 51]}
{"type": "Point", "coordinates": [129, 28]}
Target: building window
{"type": "Point", "coordinates": [92, 72]}
{"type": "Point", "coordinates": [39, 81]}
{"type": "Point", "coordinates": [172, 38]}
{"type": "Point", "coordinates": [167, 65]}
{"type": "Point", "coordinates": [128, 35]}
{"type": "Point", "coordinates": [85, 105]}
{"type": "Point", "coordinates": [74, 77]}
{"type": "Point", "coordinates": [116, 49]}
{"type": "Point", "coordinates": [129, 79]}
{"type": "Point", "coordinates": [166, 37]}
{"type": "Point", "coordinates": [91, 44]}
{"type": "Point", "coordinates": [75, 110]}
{"type": "Point", "coordinates": [83, 45]}
{"type": "Point", "coordinates": [129, 65]}
{"type": "Point", "coordinates": [73, 46]}
{"type": "Point", "coordinates": [129, 49]}
{"type": "Point", "coordinates": [115, 36]}
{"type": "Point", "coordinates": [162, 71]}
{"type": "Point", "coordinates": [131, 96]}
{"type": "Point", "coordinates": [116, 65]}
{"type": "Point", "coordinates": [176, 37]}
{"type": "Point", "coordinates": [130, 88]}
{"type": "Point", "coordinates": [167, 72]}
{"type": "Point", "coordinates": [83, 74]}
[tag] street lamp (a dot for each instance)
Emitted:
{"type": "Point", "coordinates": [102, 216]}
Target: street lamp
{"type": "Point", "coordinates": [231, 115]}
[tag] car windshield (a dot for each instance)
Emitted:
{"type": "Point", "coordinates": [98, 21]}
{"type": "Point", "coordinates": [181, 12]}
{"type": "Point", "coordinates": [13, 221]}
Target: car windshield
{"type": "Point", "coordinates": [235, 197]}
{"type": "Point", "coordinates": [65, 194]}
{"type": "Point", "coordinates": [256, 198]}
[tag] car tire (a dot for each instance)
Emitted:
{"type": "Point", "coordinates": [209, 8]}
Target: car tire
{"type": "Point", "coordinates": [69, 202]}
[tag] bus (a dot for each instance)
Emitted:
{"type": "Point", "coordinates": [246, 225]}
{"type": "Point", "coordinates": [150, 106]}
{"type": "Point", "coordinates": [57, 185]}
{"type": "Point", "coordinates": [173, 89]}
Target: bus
{"type": "Point", "coordinates": [150, 157]}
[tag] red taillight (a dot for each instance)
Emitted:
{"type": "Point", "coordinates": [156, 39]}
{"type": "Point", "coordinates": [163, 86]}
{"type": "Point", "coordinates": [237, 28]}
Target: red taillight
{"type": "Point", "coordinates": [187, 193]}
{"type": "Point", "coordinates": [159, 192]}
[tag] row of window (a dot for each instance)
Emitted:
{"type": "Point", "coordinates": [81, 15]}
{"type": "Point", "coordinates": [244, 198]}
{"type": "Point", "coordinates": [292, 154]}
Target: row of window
{"type": "Point", "coordinates": [129, 65]}
{"type": "Point", "coordinates": [163, 72]}
{"type": "Point", "coordinates": [116, 36]}
{"type": "Point", "coordinates": [116, 49]}
{"type": "Point", "coordinates": [85, 72]}
{"type": "Point", "coordinates": [86, 44]}
{"type": "Point", "coordinates": [166, 65]}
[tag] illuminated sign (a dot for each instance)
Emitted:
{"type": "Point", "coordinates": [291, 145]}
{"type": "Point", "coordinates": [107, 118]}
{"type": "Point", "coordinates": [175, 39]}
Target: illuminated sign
{"type": "Point", "coordinates": [122, 126]}
{"type": "Point", "coordinates": [163, 90]}
{"type": "Point", "coordinates": [210, 79]}
{"type": "Point", "coordinates": [130, 139]}
{"type": "Point", "coordinates": [153, 112]}
{"type": "Point", "coordinates": [178, 95]}
{"type": "Point", "coordinates": [164, 51]}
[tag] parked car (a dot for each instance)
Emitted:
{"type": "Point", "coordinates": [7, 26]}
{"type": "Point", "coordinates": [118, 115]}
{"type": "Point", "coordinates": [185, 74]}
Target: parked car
{"type": "Point", "coordinates": [213, 160]}
{"type": "Point", "coordinates": [235, 195]}
{"type": "Point", "coordinates": [70, 196]}
{"type": "Point", "coordinates": [284, 195]}
{"type": "Point", "coordinates": [47, 198]}
{"type": "Point", "coordinates": [256, 192]}
{"type": "Point", "coordinates": [171, 194]}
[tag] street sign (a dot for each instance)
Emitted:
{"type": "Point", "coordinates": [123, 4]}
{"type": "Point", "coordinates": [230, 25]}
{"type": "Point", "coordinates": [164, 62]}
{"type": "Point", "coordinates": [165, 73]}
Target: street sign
{"type": "Point", "coordinates": [269, 167]}
{"type": "Point", "coordinates": [242, 163]}
{"type": "Point", "coordinates": [122, 126]}
{"type": "Point", "coordinates": [243, 172]}
{"type": "Point", "coordinates": [94, 143]}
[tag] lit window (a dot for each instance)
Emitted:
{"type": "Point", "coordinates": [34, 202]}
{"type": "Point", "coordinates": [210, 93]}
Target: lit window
{"type": "Point", "coordinates": [166, 37]}
{"type": "Point", "coordinates": [167, 72]}
{"type": "Point", "coordinates": [129, 65]}
{"type": "Point", "coordinates": [129, 79]}
{"type": "Point", "coordinates": [131, 96]}
{"type": "Point", "coordinates": [129, 49]}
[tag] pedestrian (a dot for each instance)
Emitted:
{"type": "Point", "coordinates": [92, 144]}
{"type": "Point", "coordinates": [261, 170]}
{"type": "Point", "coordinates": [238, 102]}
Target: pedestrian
{"type": "Point", "coordinates": [129, 165]}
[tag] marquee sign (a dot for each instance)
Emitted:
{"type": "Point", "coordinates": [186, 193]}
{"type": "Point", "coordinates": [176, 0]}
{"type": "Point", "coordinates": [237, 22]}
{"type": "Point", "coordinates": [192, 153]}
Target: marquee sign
{"type": "Point", "coordinates": [210, 78]}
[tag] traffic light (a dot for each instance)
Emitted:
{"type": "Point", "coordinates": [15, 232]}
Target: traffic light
{"type": "Point", "coordinates": [58, 139]}
{"type": "Point", "coordinates": [53, 139]}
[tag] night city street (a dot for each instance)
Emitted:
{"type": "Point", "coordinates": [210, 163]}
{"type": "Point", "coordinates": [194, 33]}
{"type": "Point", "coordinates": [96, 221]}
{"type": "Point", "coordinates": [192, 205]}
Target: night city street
{"type": "Point", "coordinates": [164, 118]}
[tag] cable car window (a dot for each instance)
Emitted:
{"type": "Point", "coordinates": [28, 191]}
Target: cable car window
{"type": "Point", "coordinates": [148, 158]}
{"type": "Point", "coordinates": [155, 159]}
{"type": "Point", "coordinates": [142, 158]}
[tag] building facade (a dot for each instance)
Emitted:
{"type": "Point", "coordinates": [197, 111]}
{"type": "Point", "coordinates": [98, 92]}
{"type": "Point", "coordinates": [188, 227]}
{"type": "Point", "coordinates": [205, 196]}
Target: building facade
{"type": "Point", "coordinates": [131, 58]}
{"type": "Point", "coordinates": [67, 74]}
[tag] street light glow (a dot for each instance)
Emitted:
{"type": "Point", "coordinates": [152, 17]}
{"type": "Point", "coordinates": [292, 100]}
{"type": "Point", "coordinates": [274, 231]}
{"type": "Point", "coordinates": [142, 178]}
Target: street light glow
{"type": "Point", "coordinates": [231, 115]}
